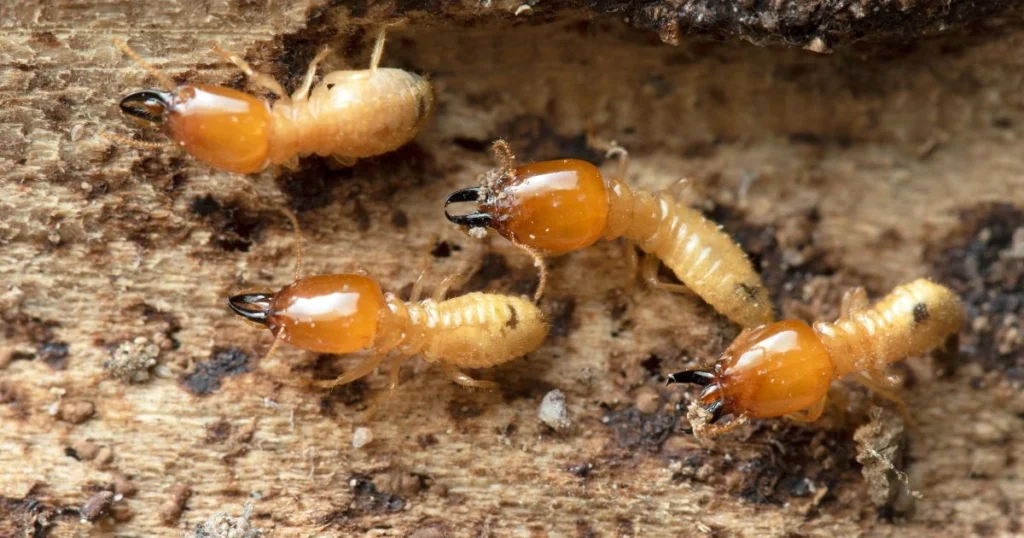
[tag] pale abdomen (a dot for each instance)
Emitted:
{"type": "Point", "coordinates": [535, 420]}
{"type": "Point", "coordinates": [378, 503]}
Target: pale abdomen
{"type": "Point", "coordinates": [701, 255]}
{"type": "Point", "coordinates": [479, 330]}
{"type": "Point", "coordinates": [911, 320]}
{"type": "Point", "coordinates": [353, 114]}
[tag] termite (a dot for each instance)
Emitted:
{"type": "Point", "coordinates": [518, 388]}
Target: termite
{"type": "Point", "coordinates": [346, 313]}
{"type": "Point", "coordinates": [349, 115]}
{"type": "Point", "coordinates": [559, 206]}
{"type": "Point", "coordinates": [785, 368]}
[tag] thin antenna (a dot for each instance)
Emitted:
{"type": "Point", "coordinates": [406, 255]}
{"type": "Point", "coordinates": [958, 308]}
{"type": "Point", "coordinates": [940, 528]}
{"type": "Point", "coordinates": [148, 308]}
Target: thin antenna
{"type": "Point", "coordinates": [417, 287]}
{"type": "Point", "coordinates": [503, 154]}
{"type": "Point", "coordinates": [542, 269]}
{"type": "Point", "coordinates": [164, 79]}
{"type": "Point", "coordinates": [262, 79]}
{"type": "Point", "coordinates": [132, 142]}
{"type": "Point", "coordinates": [378, 50]}
{"type": "Point", "coordinates": [298, 242]}
{"type": "Point", "coordinates": [273, 348]}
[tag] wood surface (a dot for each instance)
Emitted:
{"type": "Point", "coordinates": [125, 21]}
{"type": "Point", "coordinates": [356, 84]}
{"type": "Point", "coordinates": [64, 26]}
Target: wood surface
{"type": "Point", "coordinates": [891, 158]}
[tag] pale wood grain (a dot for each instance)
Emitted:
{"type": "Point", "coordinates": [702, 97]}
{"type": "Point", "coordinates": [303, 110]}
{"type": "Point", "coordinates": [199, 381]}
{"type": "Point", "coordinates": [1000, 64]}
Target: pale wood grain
{"type": "Point", "coordinates": [90, 234]}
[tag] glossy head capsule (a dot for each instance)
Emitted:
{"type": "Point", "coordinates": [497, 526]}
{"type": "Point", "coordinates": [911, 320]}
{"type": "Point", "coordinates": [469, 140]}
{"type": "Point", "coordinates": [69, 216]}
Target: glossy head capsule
{"type": "Point", "coordinates": [224, 128]}
{"type": "Point", "coordinates": [325, 314]}
{"type": "Point", "coordinates": [553, 206]}
{"type": "Point", "coordinates": [770, 371]}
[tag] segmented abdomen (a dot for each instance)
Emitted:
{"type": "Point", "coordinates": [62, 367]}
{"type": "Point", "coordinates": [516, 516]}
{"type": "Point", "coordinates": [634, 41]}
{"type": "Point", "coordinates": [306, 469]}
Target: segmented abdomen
{"type": "Point", "coordinates": [478, 330]}
{"type": "Point", "coordinates": [353, 114]}
{"type": "Point", "coordinates": [700, 254]}
{"type": "Point", "coordinates": [913, 319]}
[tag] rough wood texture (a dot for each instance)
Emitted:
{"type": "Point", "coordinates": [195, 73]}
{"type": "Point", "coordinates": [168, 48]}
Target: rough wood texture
{"type": "Point", "coordinates": [868, 166]}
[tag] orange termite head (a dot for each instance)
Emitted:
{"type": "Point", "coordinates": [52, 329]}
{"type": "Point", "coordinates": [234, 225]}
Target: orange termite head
{"type": "Point", "coordinates": [325, 314]}
{"type": "Point", "coordinates": [222, 127]}
{"type": "Point", "coordinates": [552, 206]}
{"type": "Point", "coordinates": [768, 371]}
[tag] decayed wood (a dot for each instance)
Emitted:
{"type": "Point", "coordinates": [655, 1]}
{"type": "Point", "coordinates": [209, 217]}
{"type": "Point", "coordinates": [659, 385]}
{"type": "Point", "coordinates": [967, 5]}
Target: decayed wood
{"type": "Point", "coordinates": [121, 369]}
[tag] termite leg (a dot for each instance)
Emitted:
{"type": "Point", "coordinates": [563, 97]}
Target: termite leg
{"type": "Point", "coordinates": [840, 399]}
{"type": "Point", "coordinates": [378, 50]}
{"type": "Point", "coordinates": [417, 286]}
{"type": "Point", "coordinates": [281, 372]}
{"type": "Point", "coordinates": [620, 153]}
{"type": "Point", "coordinates": [272, 350]}
{"type": "Point", "coordinates": [131, 142]}
{"type": "Point", "coordinates": [263, 80]}
{"type": "Point", "coordinates": [810, 414]}
{"type": "Point", "coordinates": [854, 300]}
{"type": "Point", "coordinates": [362, 369]}
{"type": "Point", "coordinates": [649, 270]}
{"type": "Point", "coordinates": [442, 289]}
{"type": "Point", "coordinates": [302, 93]}
{"type": "Point", "coordinates": [396, 365]}
{"type": "Point", "coordinates": [679, 188]}
{"type": "Point", "coordinates": [291, 164]}
{"type": "Point", "coordinates": [633, 261]}
{"type": "Point", "coordinates": [883, 388]}
{"type": "Point", "coordinates": [457, 376]}
{"type": "Point", "coordinates": [455, 280]}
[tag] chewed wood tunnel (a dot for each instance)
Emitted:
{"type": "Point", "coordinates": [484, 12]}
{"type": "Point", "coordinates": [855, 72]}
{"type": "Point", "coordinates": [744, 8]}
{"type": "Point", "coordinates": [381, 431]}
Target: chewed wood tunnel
{"type": "Point", "coordinates": [559, 206]}
{"type": "Point", "coordinates": [785, 368]}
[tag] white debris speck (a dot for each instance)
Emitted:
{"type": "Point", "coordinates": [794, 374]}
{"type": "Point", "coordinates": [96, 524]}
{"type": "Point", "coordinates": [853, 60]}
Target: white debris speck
{"type": "Point", "coordinates": [54, 408]}
{"type": "Point", "coordinates": [1016, 249]}
{"type": "Point", "coordinates": [817, 45]}
{"type": "Point", "coordinates": [162, 371]}
{"type": "Point", "coordinates": [552, 410]}
{"type": "Point", "coordinates": [221, 525]}
{"type": "Point", "coordinates": [132, 361]}
{"type": "Point", "coordinates": [362, 437]}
